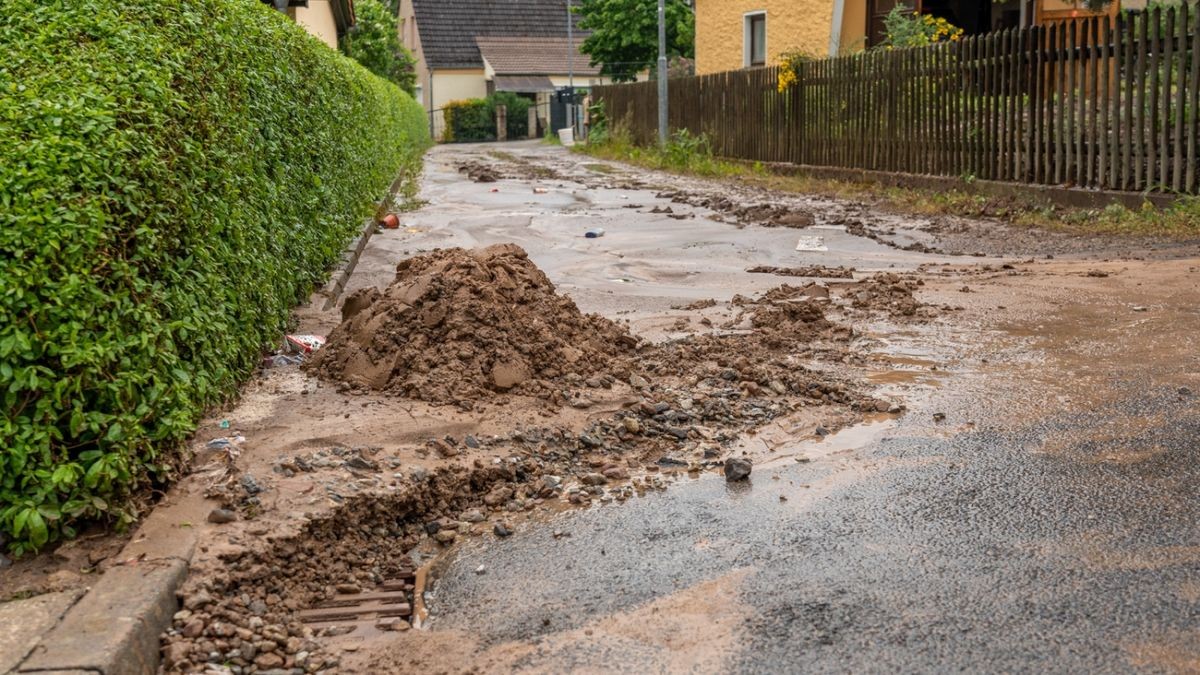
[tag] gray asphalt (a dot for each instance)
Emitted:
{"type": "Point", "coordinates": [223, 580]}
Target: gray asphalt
{"type": "Point", "coordinates": [1025, 533]}
{"type": "Point", "coordinates": [967, 553]}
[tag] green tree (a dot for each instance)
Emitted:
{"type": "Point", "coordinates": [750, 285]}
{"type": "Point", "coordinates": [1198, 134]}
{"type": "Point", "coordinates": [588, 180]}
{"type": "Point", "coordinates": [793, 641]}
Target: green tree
{"type": "Point", "coordinates": [375, 43]}
{"type": "Point", "coordinates": [624, 39]}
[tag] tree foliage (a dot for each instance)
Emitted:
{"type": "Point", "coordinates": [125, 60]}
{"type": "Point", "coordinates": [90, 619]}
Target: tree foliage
{"type": "Point", "coordinates": [174, 175]}
{"type": "Point", "coordinates": [624, 39]}
{"type": "Point", "coordinates": [374, 42]}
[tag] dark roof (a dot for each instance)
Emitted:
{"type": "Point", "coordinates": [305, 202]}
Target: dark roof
{"type": "Point", "coordinates": [448, 28]}
{"type": "Point", "coordinates": [523, 84]}
{"type": "Point", "coordinates": [533, 56]}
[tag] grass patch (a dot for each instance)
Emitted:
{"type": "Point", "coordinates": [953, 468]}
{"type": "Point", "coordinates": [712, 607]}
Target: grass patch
{"type": "Point", "coordinates": [690, 155]}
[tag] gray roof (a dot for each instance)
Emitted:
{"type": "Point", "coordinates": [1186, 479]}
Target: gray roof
{"type": "Point", "coordinates": [448, 28]}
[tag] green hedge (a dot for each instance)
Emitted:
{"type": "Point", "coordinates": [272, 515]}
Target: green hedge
{"type": "Point", "coordinates": [474, 119]}
{"type": "Point", "coordinates": [468, 120]}
{"type": "Point", "coordinates": [174, 176]}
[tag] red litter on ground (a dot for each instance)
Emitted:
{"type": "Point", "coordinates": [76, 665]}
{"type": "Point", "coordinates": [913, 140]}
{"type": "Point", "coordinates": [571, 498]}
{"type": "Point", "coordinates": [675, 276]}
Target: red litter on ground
{"type": "Point", "coordinates": [390, 221]}
{"type": "Point", "coordinates": [306, 343]}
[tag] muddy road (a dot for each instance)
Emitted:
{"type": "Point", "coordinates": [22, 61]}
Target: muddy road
{"type": "Point", "coordinates": [973, 445]}
{"type": "Point", "coordinates": [1036, 508]}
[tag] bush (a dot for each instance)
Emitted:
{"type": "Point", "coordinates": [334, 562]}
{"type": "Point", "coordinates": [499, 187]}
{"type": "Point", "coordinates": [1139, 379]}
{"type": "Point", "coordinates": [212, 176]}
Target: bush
{"type": "Point", "coordinates": [474, 119]}
{"type": "Point", "coordinates": [174, 176]}
{"type": "Point", "coordinates": [468, 120]}
{"type": "Point", "coordinates": [375, 43]}
{"type": "Point", "coordinates": [517, 112]}
{"type": "Point", "coordinates": [907, 29]}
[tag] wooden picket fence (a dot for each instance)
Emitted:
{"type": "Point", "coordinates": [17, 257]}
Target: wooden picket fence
{"type": "Point", "coordinates": [1094, 103]}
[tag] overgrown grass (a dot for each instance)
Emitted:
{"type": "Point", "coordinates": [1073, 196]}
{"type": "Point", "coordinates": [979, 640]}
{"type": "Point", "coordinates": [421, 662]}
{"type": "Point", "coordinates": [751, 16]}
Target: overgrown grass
{"type": "Point", "coordinates": [692, 155]}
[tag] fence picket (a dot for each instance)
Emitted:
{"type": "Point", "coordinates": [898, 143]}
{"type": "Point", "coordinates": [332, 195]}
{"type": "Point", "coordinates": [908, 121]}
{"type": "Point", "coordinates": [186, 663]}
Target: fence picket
{"type": "Point", "coordinates": [1180, 101]}
{"type": "Point", "coordinates": [1111, 103]}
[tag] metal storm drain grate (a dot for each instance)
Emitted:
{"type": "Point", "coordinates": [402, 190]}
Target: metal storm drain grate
{"type": "Point", "coordinates": [391, 599]}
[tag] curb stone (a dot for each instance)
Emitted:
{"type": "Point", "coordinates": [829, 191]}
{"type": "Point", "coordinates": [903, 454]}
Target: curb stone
{"type": "Point", "coordinates": [114, 629]}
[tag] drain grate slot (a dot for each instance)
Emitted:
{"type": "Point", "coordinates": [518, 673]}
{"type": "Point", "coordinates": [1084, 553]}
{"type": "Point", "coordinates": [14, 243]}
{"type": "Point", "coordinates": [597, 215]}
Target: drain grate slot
{"type": "Point", "coordinates": [392, 598]}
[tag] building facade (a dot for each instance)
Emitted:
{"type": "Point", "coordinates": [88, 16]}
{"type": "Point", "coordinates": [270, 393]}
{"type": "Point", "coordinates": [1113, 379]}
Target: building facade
{"type": "Point", "coordinates": [732, 34]}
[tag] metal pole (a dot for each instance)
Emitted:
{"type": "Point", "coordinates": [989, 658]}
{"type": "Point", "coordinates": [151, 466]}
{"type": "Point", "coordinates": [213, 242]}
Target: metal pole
{"type": "Point", "coordinates": [431, 103]}
{"type": "Point", "coordinates": [571, 64]}
{"type": "Point", "coordinates": [662, 72]}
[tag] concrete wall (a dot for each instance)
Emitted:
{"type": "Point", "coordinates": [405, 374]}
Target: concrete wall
{"type": "Point", "coordinates": [317, 19]}
{"type": "Point", "coordinates": [791, 24]}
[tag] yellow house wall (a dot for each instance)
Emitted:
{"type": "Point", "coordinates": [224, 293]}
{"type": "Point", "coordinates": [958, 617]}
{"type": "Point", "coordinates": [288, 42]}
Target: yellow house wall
{"type": "Point", "coordinates": [317, 19]}
{"type": "Point", "coordinates": [791, 24]}
{"type": "Point", "coordinates": [854, 27]}
{"type": "Point", "coordinates": [456, 85]}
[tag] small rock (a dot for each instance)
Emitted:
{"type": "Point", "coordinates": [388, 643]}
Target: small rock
{"type": "Point", "coordinates": [737, 468]}
{"type": "Point", "coordinates": [390, 623]}
{"type": "Point", "coordinates": [593, 479]}
{"type": "Point", "coordinates": [443, 448]}
{"type": "Point", "coordinates": [193, 629]}
{"type": "Point", "coordinates": [882, 406]}
{"type": "Point", "coordinates": [362, 463]}
{"type": "Point", "coordinates": [632, 425]}
{"type": "Point", "coordinates": [474, 516]}
{"type": "Point", "coordinates": [938, 417]}
{"type": "Point", "coordinates": [197, 600]}
{"type": "Point", "coordinates": [501, 530]}
{"type": "Point", "coordinates": [590, 441]}
{"type": "Point", "coordinates": [778, 387]}
{"type": "Point", "coordinates": [638, 382]}
{"type": "Point", "coordinates": [1140, 308]}
{"type": "Point", "coordinates": [251, 485]}
{"type": "Point", "coordinates": [221, 516]}
{"type": "Point", "coordinates": [821, 431]}
{"type": "Point", "coordinates": [481, 569]}
{"type": "Point", "coordinates": [176, 654]}
{"type": "Point", "coordinates": [268, 660]}
{"type": "Point", "coordinates": [616, 473]}
{"type": "Point", "coordinates": [445, 537]}
{"type": "Point", "coordinates": [471, 442]}
{"type": "Point", "coordinates": [348, 588]}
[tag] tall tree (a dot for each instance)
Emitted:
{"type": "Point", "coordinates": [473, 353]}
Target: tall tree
{"type": "Point", "coordinates": [624, 39]}
{"type": "Point", "coordinates": [374, 42]}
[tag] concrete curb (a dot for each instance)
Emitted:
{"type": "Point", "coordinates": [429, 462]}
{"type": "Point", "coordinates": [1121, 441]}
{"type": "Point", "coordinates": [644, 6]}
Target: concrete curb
{"type": "Point", "coordinates": [1063, 196]}
{"type": "Point", "coordinates": [114, 629]}
{"type": "Point", "coordinates": [337, 283]}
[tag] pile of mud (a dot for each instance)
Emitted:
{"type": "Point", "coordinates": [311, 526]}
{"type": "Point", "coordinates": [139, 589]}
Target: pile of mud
{"type": "Point", "coordinates": [479, 172]}
{"type": "Point", "coordinates": [456, 325]}
{"type": "Point", "coordinates": [814, 271]}
{"type": "Point", "coordinates": [891, 294]}
{"type": "Point", "coordinates": [766, 215]}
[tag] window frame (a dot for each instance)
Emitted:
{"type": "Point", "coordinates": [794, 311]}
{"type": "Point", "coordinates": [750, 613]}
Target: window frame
{"type": "Point", "coordinates": [748, 43]}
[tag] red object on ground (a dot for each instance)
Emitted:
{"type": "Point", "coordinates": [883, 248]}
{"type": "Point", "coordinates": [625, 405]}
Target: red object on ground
{"type": "Point", "coordinates": [390, 221]}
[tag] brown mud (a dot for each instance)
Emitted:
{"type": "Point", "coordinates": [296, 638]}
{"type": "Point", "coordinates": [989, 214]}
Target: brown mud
{"type": "Point", "coordinates": [655, 412]}
{"type": "Point", "coordinates": [456, 326]}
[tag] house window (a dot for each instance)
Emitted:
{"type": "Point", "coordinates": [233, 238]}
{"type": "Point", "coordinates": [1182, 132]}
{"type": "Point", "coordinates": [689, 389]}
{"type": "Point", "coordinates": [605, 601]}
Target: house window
{"type": "Point", "coordinates": [756, 39]}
